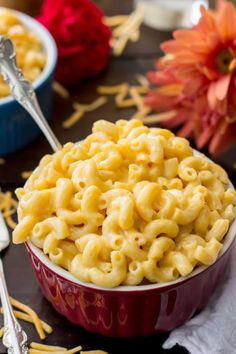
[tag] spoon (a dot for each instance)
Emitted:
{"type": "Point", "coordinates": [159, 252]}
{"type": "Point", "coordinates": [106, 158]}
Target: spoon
{"type": "Point", "coordinates": [22, 90]}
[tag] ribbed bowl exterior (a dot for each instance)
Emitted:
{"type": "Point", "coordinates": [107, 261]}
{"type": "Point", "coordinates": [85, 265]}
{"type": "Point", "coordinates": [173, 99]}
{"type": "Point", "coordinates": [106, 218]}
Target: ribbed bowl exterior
{"type": "Point", "coordinates": [17, 128]}
{"type": "Point", "coordinates": [120, 313]}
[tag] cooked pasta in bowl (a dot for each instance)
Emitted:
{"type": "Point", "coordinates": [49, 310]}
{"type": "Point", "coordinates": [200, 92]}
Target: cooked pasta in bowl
{"type": "Point", "coordinates": [30, 56]}
{"type": "Point", "coordinates": [36, 56]}
{"type": "Point", "coordinates": [130, 210]}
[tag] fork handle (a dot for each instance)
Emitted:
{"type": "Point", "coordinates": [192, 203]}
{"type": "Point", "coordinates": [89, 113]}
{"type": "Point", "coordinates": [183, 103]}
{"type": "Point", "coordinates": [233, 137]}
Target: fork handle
{"type": "Point", "coordinates": [14, 338]}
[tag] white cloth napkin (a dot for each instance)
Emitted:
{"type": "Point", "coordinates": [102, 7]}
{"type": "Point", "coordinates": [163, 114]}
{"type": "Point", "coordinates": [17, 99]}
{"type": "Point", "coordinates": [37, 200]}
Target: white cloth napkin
{"type": "Point", "coordinates": [213, 330]}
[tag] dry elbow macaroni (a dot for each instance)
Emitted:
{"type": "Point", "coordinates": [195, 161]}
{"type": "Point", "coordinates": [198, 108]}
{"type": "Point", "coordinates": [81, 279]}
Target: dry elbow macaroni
{"type": "Point", "coordinates": [27, 314]}
{"type": "Point", "coordinates": [127, 205]}
{"type": "Point", "coordinates": [8, 207]}
{"type": "Point", "coordinates": [29, 52]}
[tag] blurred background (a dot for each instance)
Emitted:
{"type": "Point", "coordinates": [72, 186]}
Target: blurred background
{"type": "Point", "coordinates": [32, 6]}
{"type": "Point", "coordinates": [28, 6]}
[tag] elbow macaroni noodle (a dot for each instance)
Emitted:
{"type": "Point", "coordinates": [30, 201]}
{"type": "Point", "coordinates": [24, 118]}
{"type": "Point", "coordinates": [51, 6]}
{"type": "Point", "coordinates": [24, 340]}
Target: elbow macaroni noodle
{"type": "Point", "coordinates": [127, 205]}
{"type": "Point", "coordinates": [29, 51]}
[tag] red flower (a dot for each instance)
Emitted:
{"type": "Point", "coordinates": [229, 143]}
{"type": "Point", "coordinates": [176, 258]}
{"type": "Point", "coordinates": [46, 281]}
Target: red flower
{"type": "Point", "coordinates": [82, 38]}
{"type": "Point", "coordinates": [197, 79]}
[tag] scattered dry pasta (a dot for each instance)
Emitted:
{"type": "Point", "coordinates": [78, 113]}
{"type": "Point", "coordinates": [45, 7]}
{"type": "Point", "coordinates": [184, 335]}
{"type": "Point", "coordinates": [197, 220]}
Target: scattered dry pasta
{"type": "Point", "coordinates": [26, 174]}
{"type": "Point", "coordinates": [60, 90]}
{"type": "Point", "coordinates": [27, 318]}
{"type": "Point", "coordinates": [93, 352]}
{"type": "Point", "coordinates": [28, 315]}
{"type": "Point", "coordinates": [81, 109]}
{"type": "Point", "coordinates": [117, 20]}
{"type": "Point", "coordinates": [50, 349]}
{"type": "Point", "coordinates": [38, 348]}
{"type": "Point", "coordinates": [142, 80]}
{"type": "Point", "coordinates": [73, 119]}
{"type": "Point", "coordinates": [158, 117]}
{"type": "Point", "coordinates": [30, 56]}
{"type": "Point", "coordinates": [45, 347]}
{"type": "Point", "coordinates": [36, 320]}
{"type": "Point", "coordinates": [100, 101]}
{"type": "Point", "coordinates": [110, 90]}
{"type": "Point", "coordinates": [127, 96]}
{"type": "Point", "coordinates": [127, 204]}
{"type": "Point", "coordinates": [8, 207]}
{"type": "Point", "coordinates": [127, 28]}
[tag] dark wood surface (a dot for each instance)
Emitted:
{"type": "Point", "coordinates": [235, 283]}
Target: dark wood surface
{"type": "Point", "coordinates": [138, 58]}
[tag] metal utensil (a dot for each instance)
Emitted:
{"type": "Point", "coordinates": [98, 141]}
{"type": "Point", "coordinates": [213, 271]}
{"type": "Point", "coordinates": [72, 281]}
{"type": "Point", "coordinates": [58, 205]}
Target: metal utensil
{"type": "Point", "coordinates": [22, 90]}
{"type": "Point", "coordinates": [14, 338]}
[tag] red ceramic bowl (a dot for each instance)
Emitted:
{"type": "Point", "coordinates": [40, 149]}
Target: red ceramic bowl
{"type": "Point", "coordinates": [128, 311]}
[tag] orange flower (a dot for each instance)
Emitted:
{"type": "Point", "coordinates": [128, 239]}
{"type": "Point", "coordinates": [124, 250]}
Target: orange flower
{"type": "Point", "coordinates": [197, 78]}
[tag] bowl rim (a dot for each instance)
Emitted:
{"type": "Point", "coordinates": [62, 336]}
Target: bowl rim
{"type": "Point", "coordinates": [228, 241]}
{"type": "Point", "coordinates": [48, 44]}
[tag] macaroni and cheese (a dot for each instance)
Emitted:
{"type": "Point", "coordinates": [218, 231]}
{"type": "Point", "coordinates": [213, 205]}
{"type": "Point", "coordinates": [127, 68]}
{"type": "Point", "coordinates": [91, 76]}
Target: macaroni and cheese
{"type": "Point", "coordinates": [127, 205]}
{"type": "Point", "coordinates": [29, 52]}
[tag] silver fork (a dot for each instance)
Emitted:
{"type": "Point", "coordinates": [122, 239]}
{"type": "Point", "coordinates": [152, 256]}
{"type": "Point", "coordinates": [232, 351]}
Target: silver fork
{"type": "Point", "coordinates": [14, 338]}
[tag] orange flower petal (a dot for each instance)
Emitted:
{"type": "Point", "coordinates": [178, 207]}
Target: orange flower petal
{"type": "Point", "coordinates": [193, 85]}
{"type": "Point", "coordinates": [205, 137]}
{"type": "Point", "coordinates": [171, 46]}
{"type": "Point", "coordinates": [226, 20]}
{"type": "Point", "coordinates": [160, 117]}
{"type": "Point", "coordinates": [190, 83]}
{"type": "Point", "coordinates": [232, 65]}
{"type": "Point", "coordinates": [170, 90]}
{"type": "Point", "coordinates": [218, 137]}
{"type": "Point", "coordinates": [159, 102]}
{"type": "Point", "coordinates": [188, 57]}
{"type": "Point", "coordinates": [211, 95]}
{"type": "Point", "coordinates": [200, 48]}
{"type": "Point", "coordinates": [212, 40]}
{"type": "Point", "coordinates": [207, 22]}
{"type": "Point", "coordinates": [210, 74]}
{"type": "Point", "coordinates": [188, 36]}
{"type": "Point", "coordinates": [187, 129]}
{"type": "Point", "coordinates": [222, 86]}
{"type": "Point", "coordinates": [222, 106]}
{"type": "Point", "coordinates": [184, 115]}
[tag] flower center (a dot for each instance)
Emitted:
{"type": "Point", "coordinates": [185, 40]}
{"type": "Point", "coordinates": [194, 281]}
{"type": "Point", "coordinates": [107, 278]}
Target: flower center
{"type": "Point", "coordinates": [223, 60]}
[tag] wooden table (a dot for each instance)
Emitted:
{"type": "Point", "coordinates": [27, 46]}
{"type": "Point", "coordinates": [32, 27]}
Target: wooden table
{"type": "Point", "coordinates": [138, 58]}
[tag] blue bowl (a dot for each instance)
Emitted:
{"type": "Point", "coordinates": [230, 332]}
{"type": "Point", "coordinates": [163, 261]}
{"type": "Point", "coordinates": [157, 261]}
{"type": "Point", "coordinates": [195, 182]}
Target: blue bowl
{"type": "Point", "coordinates": [17, 128]}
